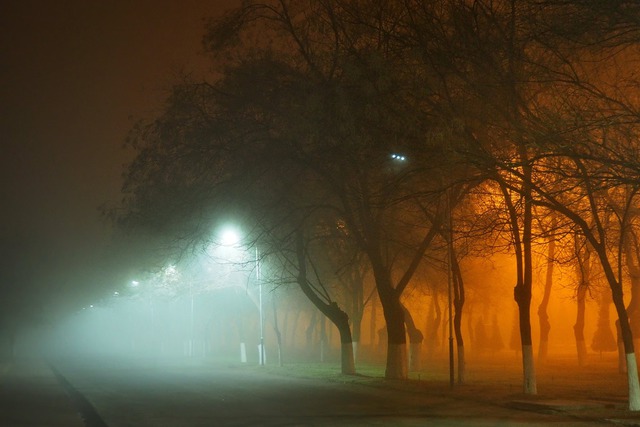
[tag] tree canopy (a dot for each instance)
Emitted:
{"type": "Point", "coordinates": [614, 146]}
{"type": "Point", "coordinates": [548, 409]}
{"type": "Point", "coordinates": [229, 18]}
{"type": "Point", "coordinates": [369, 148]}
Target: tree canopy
{"type": "Point", "coordinates": [380, 119]}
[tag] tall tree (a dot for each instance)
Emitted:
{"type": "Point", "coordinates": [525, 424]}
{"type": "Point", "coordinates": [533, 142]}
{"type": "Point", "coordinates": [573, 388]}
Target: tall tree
{"type": "Point", "coordinates": [543, 316]}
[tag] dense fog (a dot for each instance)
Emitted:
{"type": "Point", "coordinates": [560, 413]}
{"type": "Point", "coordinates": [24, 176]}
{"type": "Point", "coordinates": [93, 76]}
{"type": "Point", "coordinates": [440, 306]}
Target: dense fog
{"type": "Point", "coordinates": [209, 309]}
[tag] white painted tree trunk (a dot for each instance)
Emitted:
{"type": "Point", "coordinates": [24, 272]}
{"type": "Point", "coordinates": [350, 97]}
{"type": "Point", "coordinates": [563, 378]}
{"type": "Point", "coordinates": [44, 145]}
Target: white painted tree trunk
{"type": "Point", "coordinates": [530, 386]}
{"type": "Point", "coordinates": [243, 353]}
{"type": "Point", "coordinates": [634, 385]}
{"type": "Point", "coordinates": [397, 366]}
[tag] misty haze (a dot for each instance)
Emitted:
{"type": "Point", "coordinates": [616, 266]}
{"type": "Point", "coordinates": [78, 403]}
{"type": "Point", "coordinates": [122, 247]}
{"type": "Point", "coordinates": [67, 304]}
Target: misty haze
{"type": "Point", "coordinates": [330, 212]}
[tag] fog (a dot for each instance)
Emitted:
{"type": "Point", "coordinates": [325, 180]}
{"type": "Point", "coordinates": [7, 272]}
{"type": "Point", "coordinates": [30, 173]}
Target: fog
{"type": "Point", "coordinates": [79, 78]}
{"type": "Point", "coordinates": [202, 307]}
{"type": "Point", "coordinates": [208, 324]}
{"type": "Point", "coordinates": [208, 308]}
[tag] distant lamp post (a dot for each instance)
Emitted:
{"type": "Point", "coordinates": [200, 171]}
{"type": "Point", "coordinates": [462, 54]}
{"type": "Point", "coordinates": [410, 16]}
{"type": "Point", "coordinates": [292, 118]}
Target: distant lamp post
{"type": "Point", "coordinates": [230, 237]}
{"type": "Point", "coordinates": [259, 279]}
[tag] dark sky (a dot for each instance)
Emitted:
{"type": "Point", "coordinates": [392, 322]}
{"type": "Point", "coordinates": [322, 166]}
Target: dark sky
{"type": "Point", "coordinates": [76, 75]}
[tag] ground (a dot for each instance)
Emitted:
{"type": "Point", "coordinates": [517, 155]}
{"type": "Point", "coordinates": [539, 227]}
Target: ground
{"type": "Point", "coordinates": [204, 392]}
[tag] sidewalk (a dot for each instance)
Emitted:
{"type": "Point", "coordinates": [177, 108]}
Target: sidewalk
{"type": "Point", "coordinates": [30, 395]}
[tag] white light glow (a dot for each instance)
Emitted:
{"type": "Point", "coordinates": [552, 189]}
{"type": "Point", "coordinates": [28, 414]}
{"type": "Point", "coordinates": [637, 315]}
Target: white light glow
{"type": "Point", "coordinates": [230, 237]}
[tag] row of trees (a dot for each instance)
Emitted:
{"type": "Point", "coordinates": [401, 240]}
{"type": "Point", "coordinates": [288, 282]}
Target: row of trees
{"type": "Point", "coordinates": [385, 137]}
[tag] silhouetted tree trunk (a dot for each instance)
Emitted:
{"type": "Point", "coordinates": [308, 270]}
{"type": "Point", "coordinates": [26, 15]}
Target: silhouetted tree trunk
{"type": "Point", "coordinates": [496, 342]}
{"type": "Point", "coordinates": [458, 303]}
{"type": "Point", "coordinates": [603, 338]}
{"type": "Point", "coordinates": [294, 343]}
{"type": "Point", "coordinates": [415, 341]}
{"type": "Point", "coordinates": [276, 328]}
{"type": "Point", "coordinates": [583, 272]}
{"type": "Point", "coordinates": [434, 320]}
{"type": "Point", "coordinates": [354, 283]}
{"type": "Point", "coordinates": [373, 332]}
{"type": "Point", "coordinates": [523, 254]}
{"type": "Point", "coordinates": [543, 316]}
{"type": "Point", "coordinates": [633, 267]}
{"type": "Point", "coordinates": [578, 327]}
{"type": "Point", "coordinates": [331, 310]}
{"type": "Point", "coordinates": [311, 329]}
{"type": "Point", "coordinates": [324, 340]}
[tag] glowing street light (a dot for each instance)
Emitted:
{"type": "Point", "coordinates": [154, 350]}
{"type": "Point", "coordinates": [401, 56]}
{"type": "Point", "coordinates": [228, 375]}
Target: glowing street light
{"type": "Point", "coordinates": [230, 237]}
{"type": "Point", "coordinates": [259, 279]}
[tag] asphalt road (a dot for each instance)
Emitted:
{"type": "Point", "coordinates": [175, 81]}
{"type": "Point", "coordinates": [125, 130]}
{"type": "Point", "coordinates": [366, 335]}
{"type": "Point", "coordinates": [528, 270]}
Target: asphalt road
{"type": "Point", "coordinates": [152, 394]}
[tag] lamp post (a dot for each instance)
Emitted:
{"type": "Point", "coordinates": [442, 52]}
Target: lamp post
{"type": "Point", "coordinates": [191, 334]}
{"type": "Point", "coordinates": [260, 306]}
{"type": "Point", "coordinates": [230, 238]}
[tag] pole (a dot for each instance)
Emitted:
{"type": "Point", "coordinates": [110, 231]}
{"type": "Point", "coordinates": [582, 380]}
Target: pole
{"type": "Point", "coordinates": [191, 323]}
{"type": "Point", "coordinates": [259, 278]}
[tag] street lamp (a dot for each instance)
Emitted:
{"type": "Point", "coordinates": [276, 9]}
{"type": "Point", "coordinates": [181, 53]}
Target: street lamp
{"type": "Point", "coordinates": [259, 279]}
{"type": "Point", "coordinates": [230, 237]}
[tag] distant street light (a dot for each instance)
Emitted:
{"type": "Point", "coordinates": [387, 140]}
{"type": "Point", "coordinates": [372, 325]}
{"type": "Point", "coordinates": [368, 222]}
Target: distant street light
{"type": "Point", "coordinates": [259, 279]}
{"type": "Point", "coordinates": [230, 237]}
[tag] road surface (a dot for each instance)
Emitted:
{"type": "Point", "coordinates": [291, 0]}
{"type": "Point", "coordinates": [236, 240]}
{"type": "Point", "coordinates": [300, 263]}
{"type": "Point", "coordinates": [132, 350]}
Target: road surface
{"type": "Point", "coordinates": [163, 394]}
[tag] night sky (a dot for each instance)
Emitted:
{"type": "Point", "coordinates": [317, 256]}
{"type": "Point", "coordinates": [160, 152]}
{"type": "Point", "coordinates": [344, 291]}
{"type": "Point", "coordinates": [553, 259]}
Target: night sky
{"type": "Point", "coordinates": [76, 75]}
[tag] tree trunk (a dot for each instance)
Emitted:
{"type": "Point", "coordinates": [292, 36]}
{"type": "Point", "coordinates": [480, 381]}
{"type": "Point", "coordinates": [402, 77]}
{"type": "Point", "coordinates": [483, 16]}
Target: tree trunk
{"type": "Point", "coordinates": [311, 328]}
{"type": "Point", "coordinates": [294, 330]}
{"type": "Point", "coordinates": [543, 316]}
{"type": "Point", "coordinates": [458, 303]}
{"type": "Point", "coordinates": [583, 272]}
{"type": "Point", "coordinates": [397, 366]}
{"type": "Point", "coordinates": [323, 339]}
{"type": "Point", "coordinates": [625, 330]}
{"type": "Point", "coordinates": [277, 329]}
{"type": "Point", "coordinates": [603, 338]}
{"type": "Point", "coordinates": [631, 362]}
{"type": "Point", "coordinates": [622, 359]}
{"type": "Point", "coordinates": [626, 350]}
{"type": "Point", "coordinates": [357, 310]}
{"type": "Point", "coordinates": [522, 234]}
{"type": "Point", "coordinates": [356, 326]}
{"type": "Point", "coordinates": [330, 310]}
{"type": "Point", "coordinates": [496, 342]}
{"type": "Point", "coordinates": [373, 332]}
{"type": "Point", "coordinates": [529, 374]}
{"type": "Point", "coordinates": [415, 341]}
{"type": "Point", "coordinates": [433, 324]}
{"type": "Point", "coordinates": [524, 270]}
{"type": "Point", "coordinates": [633, 267]}
{"type": "Point", "coordinates": [524, 293]}
{"type": "Point", "coordinates": [578, 328]}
